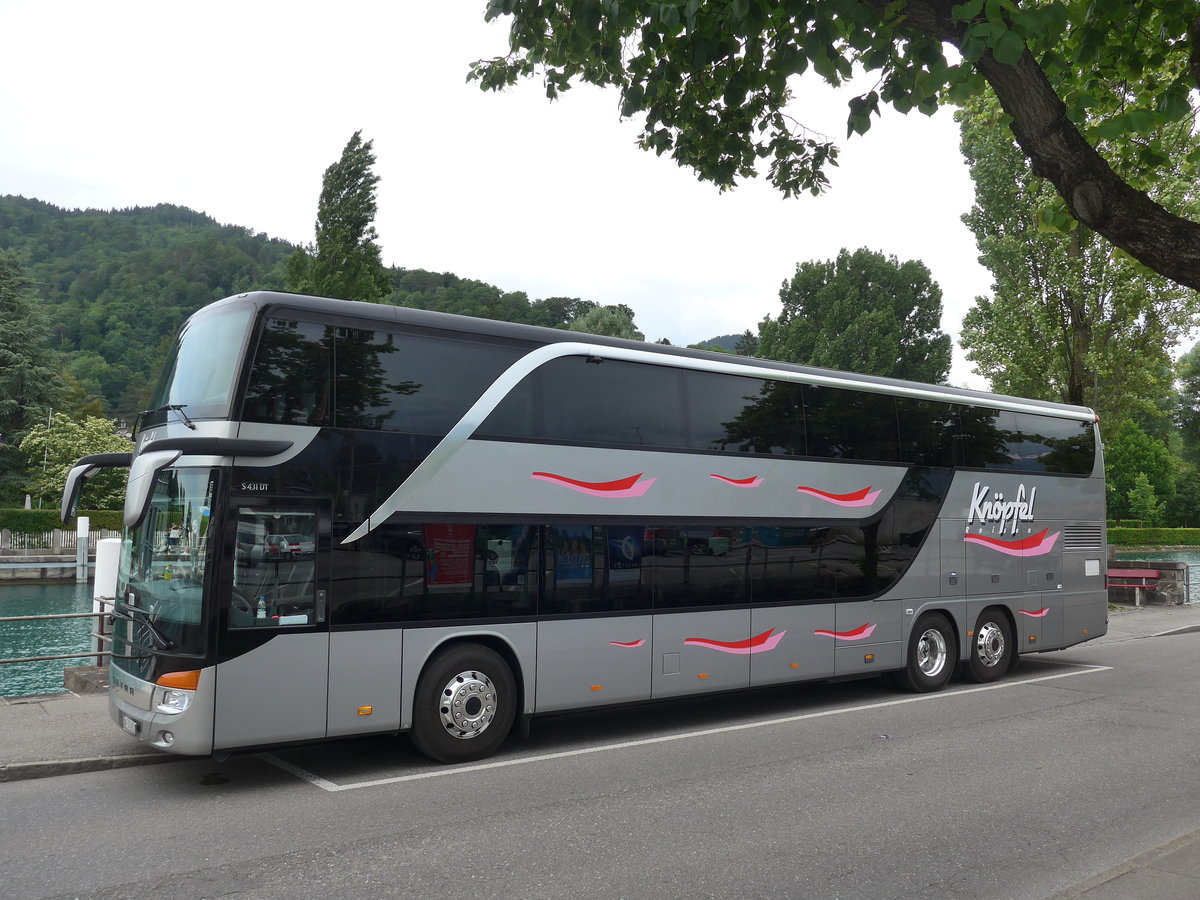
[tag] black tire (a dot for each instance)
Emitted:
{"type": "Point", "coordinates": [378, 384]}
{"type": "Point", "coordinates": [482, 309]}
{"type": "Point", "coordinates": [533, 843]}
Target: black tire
{"type": "Point", "coordinates": [465, 704]}
{"type": "Point", "coordinates": [932, 654]}
{"type": "Point", "coordinates": [993, 647]}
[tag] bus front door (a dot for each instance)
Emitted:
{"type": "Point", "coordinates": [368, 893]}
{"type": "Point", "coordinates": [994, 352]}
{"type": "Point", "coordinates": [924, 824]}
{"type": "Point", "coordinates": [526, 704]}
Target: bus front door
{"type": "Point", "coordinates": [272, 677]}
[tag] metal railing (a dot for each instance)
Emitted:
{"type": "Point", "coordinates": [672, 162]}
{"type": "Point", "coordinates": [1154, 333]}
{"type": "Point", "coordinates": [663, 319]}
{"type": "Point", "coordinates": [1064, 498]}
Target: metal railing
{"type": "Point", "coordinates": [52, 540]}
{"type": "Point", "coordinates": [102, 634]}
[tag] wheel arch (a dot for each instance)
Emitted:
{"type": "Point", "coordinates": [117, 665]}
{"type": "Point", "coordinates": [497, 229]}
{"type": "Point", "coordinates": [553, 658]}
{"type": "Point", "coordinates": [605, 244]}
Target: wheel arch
{"type": "Point", "coordinates": [516, 645]}
{"type": "Point", "coordinates": [955, 613]}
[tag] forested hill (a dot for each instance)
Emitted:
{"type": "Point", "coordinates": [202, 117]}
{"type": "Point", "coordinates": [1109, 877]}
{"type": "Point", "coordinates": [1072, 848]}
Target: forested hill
{"type": "Point", "coordinates": [118, 284]}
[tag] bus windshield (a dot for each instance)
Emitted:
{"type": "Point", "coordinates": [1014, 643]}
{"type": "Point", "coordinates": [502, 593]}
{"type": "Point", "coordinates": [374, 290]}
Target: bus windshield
{"type": "Point", "coordinates": [163, 561]}
{"type": "Point", "coordinates": [200, 372]}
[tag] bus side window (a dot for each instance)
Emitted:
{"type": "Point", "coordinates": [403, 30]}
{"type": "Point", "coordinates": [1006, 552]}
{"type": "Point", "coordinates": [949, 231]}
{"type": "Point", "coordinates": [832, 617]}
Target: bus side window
{"type": "Point", "coordinates": [274, 581]}
{"type": "Point", "coordinates": [290, 381]}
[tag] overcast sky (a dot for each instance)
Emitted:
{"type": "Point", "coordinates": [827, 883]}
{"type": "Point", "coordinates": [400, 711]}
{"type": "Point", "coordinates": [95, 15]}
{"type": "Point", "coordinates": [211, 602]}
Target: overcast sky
{"type": "Point", "coordinates": [237, 108]}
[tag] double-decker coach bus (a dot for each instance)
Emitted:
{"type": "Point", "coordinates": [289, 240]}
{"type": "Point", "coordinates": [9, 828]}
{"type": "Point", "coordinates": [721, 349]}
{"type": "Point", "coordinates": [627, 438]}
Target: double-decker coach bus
{"type": "Point", "coordinates": [345, 518]}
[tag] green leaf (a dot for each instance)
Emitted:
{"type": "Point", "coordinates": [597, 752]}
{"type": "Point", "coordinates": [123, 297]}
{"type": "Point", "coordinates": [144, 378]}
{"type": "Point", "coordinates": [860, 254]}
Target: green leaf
{"type": "Point", "coordinates": [965, 12]}
{"type": "Point", "coordinates": [1008, 48]}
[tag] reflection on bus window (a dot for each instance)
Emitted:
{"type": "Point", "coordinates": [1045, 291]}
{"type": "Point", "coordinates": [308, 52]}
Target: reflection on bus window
{"type": "Point", "coordinates": [274, 569]}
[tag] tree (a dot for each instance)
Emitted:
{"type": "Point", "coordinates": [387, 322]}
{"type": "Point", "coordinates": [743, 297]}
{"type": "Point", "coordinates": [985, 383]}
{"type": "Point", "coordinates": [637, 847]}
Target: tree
{"type": "Point", "coordinates": [28, 374]}
{"type": "Point", "coordinates": [1068, 319]}
{"type": "Point", "coordinates": [612, 321]}
{"type": "Point", "coordinates": [558, 312]}
{"type": "Point", "coordinates": [861, 313]}
{"type": "Point", "coordinates": [346, 261]}
{"type": "Point", "coordinates": [1129, 452]}
{"type": "Point", "coordinates": [747, 344]}
{"type": "Point", "coordinates": [62, 443]}
{"type": "Point", "coordinates": [710, 81]}
{"type": "Point", "coordinates": [1188, 412]}
{"type": "Point", "coordinates": [1144, 504]}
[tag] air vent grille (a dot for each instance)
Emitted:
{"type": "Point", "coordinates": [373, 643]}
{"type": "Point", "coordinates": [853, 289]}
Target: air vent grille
{"type": "Point", "coordinates": [1083, 537]}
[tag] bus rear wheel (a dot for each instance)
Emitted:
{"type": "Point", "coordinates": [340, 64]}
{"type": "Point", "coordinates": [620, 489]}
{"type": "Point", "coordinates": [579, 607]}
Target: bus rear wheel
{"type": "Point", "coordinates": [992, 647]}
{"type": "Point", "coordinates": [464, 705]}
{"type": "Point", "coordinates": [931, 655]}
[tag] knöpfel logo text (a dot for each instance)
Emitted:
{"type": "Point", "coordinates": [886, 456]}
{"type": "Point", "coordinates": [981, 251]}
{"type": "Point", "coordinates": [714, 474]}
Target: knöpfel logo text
{"type": "Point", "coordinates": [997, 510]}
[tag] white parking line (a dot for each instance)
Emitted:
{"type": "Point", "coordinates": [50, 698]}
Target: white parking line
{"type": "Point", "coordinates": [442, 771]}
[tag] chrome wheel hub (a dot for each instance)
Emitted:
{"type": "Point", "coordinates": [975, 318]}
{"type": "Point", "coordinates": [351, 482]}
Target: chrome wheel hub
{"type": "Point", "coordinates": [931, 652]}
{"type": "Point", "coordinates": [989, 645]}
{"type": "Point", "coordinates": [468, 704]}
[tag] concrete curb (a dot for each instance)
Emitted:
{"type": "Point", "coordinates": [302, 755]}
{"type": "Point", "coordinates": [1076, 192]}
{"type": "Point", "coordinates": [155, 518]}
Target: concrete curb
{"type": "Point", "coordinates": [49, 768]}
{"type": "Point", "coordinates": [1184, 846]}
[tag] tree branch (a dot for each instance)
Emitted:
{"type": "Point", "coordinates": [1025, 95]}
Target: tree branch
{"type": "Point", "coordinates": [1095, 194]}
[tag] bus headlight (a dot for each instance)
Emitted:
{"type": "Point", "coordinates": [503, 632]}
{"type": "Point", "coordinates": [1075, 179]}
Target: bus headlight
{"type": "Point", "coordinates": [174, 702]}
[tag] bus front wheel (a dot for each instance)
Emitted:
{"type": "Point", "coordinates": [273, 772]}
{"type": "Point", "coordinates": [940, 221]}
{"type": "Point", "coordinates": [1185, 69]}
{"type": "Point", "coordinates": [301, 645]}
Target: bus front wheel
{"type": "Point", "coordinates": [931, 655]}
{"type": "Point", "coordinates": [464, 706]}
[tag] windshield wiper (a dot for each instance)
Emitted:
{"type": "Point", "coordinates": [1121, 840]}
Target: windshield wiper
{"type": "Point", "coordinates": [161, 640]}
{"type": "Point", "coordinates": [177, 408]}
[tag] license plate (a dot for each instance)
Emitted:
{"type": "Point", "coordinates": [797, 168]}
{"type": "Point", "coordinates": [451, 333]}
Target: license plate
{"type": "Point", "coordinates": [130, 725]}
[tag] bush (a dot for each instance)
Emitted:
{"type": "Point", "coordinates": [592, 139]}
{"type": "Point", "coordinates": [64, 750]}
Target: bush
{"type": "Point", "coordinates": [35, 521]}
{"type": "Point", "coordinates": [1154, 537]}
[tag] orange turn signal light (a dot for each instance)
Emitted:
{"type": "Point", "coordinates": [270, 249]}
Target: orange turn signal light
{"type": "Point", "coordinates": [184, 681]}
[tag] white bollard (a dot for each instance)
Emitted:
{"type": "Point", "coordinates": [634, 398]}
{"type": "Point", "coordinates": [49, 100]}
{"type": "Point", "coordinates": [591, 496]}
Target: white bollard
{"type": "Point", "coordinates": [82, 529]}
{"type": "Point", "coordinates": [108, 562]}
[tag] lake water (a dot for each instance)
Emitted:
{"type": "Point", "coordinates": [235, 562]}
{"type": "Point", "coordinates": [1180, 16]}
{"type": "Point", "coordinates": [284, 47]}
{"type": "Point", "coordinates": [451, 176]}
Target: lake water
{"type": "Point", "coordinates": [49, 638]}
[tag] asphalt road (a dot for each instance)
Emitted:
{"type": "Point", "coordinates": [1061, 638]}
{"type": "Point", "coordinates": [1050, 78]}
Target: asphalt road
{"type": "Point", "coordinates": [1077, 761]}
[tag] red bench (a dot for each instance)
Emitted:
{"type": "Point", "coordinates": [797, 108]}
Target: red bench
{"type": "Point", "coordinates": [1137, 580]}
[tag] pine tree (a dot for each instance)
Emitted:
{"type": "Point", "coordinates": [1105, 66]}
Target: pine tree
{"type": "Point", "coordinates": [28, 377]}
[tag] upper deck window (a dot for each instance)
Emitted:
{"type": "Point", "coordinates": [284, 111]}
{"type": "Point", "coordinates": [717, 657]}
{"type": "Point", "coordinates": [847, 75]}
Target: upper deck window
{"type": "Point", "coordinates": [290, 381]}
{"type": "Point", "coordinates": [201, 372]}
{"type": "Point", "coordinates": [305, 373]}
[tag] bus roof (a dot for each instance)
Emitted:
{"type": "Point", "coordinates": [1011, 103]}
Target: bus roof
{"type": "Point", "coordinates": [266, 302]}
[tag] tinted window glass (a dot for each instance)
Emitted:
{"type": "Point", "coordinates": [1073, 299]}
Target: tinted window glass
{"type": "Point", "coordinates": [436, 572]}
{"type": "Point", "coordinates": [981, 441]}
{"type": "Point", "coordinates": [290, 380]}
{"type": "Point", "coordinates": [474, 572]}
{"type": "Point", "coordinates": [578, 401]}
{"type": "Point", "coordinates": [786, 564]}
{"type": "Point", "coordinates": [595, 569]}
{"type": "Point", "coordinates": [412, 383]}
{"type": "Point", "coordinates": [1060, 445]}
{"type": "Point", "coordinates": [376, 579]}
{"type": "Point", "coordinates": [927, 431]}
{"type": "Point", "coordinates": [842, 424]}
{"type": "Point", "coordinates": [700, 566]}
{"type": "Point", "coordinates": [746, 415]}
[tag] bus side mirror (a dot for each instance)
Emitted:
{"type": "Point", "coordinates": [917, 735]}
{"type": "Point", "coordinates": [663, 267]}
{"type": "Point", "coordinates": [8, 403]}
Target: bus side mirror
{"type": "Point", "coordinates": [142, 475]}
{"type": "Point", "coordinates": [82, 471]}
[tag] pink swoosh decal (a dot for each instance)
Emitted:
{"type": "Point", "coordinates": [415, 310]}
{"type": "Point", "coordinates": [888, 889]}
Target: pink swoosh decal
{"type": "Point", "coordinates": [865, 497]}
{"type": "Point", "coordinates": [760, 643]}
{"type": "Point", "coordinates": [1041, 613]}
{"type": "Point", "coordinates": [751, 482]}
{"type": "Point", "coordinates": [628, 643]}
{"type": "Point", "coordinates": [1034, 545]}
{"type": "Point", "coordinates": [623, 487]}
{"type": "Point", "coordinates": [863, 631]}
